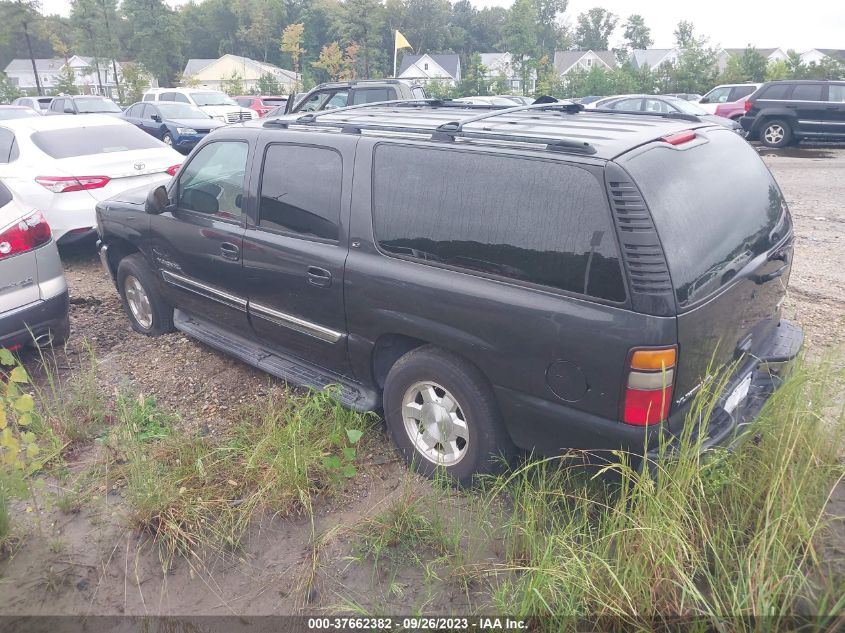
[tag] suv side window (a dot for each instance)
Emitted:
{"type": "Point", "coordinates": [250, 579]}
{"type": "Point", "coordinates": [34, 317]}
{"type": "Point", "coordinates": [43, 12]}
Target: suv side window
{"type": "Point", "coordinates": [290, 201]}
{"type": "Point", "coordinates": [776, 91]}
{"type": "Point", "coordinates": [213, 182]}
{"type": "Point", "coordinates": [372, 95]}
{"type": "Point", "coordinates": [314, 102]}
{"type": "Point", "coordinates": [149, 97]}
{"type": "Point", "coordinates": [738, 92]}
{"type": "Point", "coordinates": [57, 105]}
{"type": "Point", "coordinates": [807, 92]}
{"type": "Point", "coordinates": [180, 98]}
{"type": "Point", "coordinates": [167, 96]}
{"type": "Point", "coordinates": [836, 93]}
{"type": "Point", "coordinates": [717, 95]}
{"type": "Point", "coordinates": [537, 221]}
{"type": "Point", "coordinates": [338, 100]}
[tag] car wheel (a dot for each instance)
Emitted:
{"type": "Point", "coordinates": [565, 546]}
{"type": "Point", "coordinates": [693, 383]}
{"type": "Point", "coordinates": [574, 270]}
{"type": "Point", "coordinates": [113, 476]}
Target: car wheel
{"type": "Point", "coordinates": [167, 139]}
{"type": "Point", "coordinates": [442, 414]}
{"type": "Point", "coordinates": [148, 312]}
{"type": "Point", "coordinates": [776, 133]}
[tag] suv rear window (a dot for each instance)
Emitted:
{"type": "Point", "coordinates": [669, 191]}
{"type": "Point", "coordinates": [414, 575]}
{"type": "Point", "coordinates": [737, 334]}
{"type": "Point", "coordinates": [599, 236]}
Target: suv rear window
{"type": "Point", "coordinates": [537, 221]}
{"type": "Point", "coordinates": [90, 139]}
{"type": "Point", "coordinates": [710, 233]}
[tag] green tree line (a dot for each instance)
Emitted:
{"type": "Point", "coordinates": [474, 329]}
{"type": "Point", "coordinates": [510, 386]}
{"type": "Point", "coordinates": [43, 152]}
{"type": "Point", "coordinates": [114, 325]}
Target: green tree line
{"type": "Point", "coordinates": [332, 39]}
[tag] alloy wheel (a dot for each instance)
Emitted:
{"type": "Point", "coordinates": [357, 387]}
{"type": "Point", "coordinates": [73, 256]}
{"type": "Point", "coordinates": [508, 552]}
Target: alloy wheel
{"type": "Point", "coordinates": [435, 423]}
{"type": "Point", "coordinates": [138, 301]}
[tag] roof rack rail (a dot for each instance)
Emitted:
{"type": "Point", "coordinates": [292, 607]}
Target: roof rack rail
{"type": "Point", "coordinates": [457, 126]}
{"type": "Point", "coordinates": [666, 115]}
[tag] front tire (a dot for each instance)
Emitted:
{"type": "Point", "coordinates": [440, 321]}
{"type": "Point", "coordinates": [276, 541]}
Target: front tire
{"type": "Point", "coordinates": [442, 414]}
{"type": "Point", "coordinates": [167, 139]}
{"type": "Point", "coordinates": [147, 309]}
{"type": "Point", "coordinates": [776, 133]}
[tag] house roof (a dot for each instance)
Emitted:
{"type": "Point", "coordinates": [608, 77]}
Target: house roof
{"type": "Point", "coordinates": [43, 65]}
{"type": "Point", "coordinates": [651, 57]}
{"type": "Point", "coordinates": [765, 52]}
{"type": "Point", "coordinates": [833, 52]}
{"type": "Point", "coordinates": [565, 60]}
{"type": "Point", "coordinates": [448, 62]}
{"type": "Point", "coordinates": [495, 61]}
{"type": "Point", "coordinates": [195, 65]}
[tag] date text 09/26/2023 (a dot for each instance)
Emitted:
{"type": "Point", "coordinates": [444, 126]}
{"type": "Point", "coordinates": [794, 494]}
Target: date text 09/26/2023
{"type": "Point", "coordinates": [416, 623]}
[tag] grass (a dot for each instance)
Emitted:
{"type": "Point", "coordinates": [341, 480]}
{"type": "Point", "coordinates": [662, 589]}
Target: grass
{"type": "Point", "coordinates": [198, 494]}
{"type": "Point", "coordinates": [715, 541]}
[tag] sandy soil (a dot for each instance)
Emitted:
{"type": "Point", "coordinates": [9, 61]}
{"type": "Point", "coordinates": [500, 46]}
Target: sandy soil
{"type": "Point", "coordinates": [101, 567]}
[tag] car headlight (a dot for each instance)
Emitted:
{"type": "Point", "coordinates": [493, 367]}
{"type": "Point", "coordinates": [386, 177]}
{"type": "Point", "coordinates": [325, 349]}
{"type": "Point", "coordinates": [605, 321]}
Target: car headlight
{"type": "Point", "coordinates": [185, 130]}
{"type": "Point", "coordinates": [220, 117]}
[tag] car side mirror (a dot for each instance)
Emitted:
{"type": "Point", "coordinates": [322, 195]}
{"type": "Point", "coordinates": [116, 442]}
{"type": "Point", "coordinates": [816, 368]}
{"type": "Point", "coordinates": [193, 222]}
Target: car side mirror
{"type": "Point", "coordinates": [156, 118]}
{"type": "Point", "coordinates": [157, 201]}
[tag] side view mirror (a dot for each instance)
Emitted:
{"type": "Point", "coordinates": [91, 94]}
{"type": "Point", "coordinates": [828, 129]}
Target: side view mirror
{"type": "Point", "coordinates": [157, 201]}
{"type": "Point", "coordinates": [156, 118]}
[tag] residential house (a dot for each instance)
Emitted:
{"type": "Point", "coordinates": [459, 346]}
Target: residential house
{"type": "Point", "coordinates": [568, 61]}
{"type": "Point", "coordinates": [499, 65]}
{"type": "Point", "coordinates": [817, 55]}
{"type": "Point", "coordinates": [431, 67]}
{"type": "Point", "coordinates": [211, 73]}
{"type": "Point", "coordinates": [772, 55]}
{"type": "Point", "coordinates": [90, 76]}
{"type": "Point", "coordinates": [653, 57]}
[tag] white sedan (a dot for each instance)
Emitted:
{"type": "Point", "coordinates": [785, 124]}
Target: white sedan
{"type": "Point", "coordinates": [64, 165]}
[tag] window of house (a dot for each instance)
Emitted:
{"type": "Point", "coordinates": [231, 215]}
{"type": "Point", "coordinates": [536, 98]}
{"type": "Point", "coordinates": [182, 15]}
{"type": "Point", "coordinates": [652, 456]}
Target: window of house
{"type": "Point", "coordinates": [589, 62]}
{"type": "Point", "coordinates": [534, 221]}
{"type": "Point", "coordinates": [425, 66]}
{"type": "Point", "coordinates": [289, 200]}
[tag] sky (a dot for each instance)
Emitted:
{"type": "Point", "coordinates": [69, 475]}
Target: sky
{"type": "Point", "coordinates": [728, 23]}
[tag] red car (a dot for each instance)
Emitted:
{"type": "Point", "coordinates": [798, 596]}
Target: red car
{"type": "Point", "coordinates": [261, 105]}
{"type": "Point", "coordinates": [732, 110]}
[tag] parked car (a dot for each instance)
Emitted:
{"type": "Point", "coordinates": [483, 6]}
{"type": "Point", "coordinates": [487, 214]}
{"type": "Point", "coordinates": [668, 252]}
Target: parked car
{"type": "Point", "coordinates": [260, 105]}
{"type": "Point", "coordinates": [782, 112]}
{"type": "Point", "coordinates": [33, 291]}
{"type": "Point", "coordinates": [16, 112]}
{"type": "Point", "coordinates": [83, 104]}
{"type": "Point", "coordinates": [178, 125]}
{"type": "Point", "coordinates": [665, 105]}
{"type": "Point", "coordinates": [63, 165]}
{"type": "Point", "coordinates": [686, 96]}
{"type": "Point", "coordinates": [339, 94]}
{"type": "Point", "coordinates": [733, 110]}
{"type": "Point", "coordinates": [518, 99]}
{"type": "Point", "coordinates": [218, 105]}
{"type": "Point", "coordinates": [724, 94]}
{"type": "Point", "coordinates": [506, 290]}
{"type": "Point", "coordinates": [39, 104]}
{"type": "Point", "coordinates": [587, 100]}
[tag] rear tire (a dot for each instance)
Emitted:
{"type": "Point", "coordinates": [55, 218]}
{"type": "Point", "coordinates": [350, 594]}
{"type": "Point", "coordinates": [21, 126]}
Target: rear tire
{"type": "Point", "coordinates": [147, 309]}
{"type": "Point", "coordinates": [443, 415]}
{"type": "Point", "coordinates": [775, 133]}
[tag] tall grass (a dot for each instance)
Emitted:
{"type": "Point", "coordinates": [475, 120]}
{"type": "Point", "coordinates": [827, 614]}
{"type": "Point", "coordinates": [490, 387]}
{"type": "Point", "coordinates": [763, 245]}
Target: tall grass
{"type": "Point", "coordinates": [718, 539]}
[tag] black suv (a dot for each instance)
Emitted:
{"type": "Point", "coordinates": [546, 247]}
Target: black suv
{"type": "Point", "coordinates": [340, 94]}
{"type": "Point", "coordinates": [781, 112]}
{"type": "Point", "coordinates": [539, 277]}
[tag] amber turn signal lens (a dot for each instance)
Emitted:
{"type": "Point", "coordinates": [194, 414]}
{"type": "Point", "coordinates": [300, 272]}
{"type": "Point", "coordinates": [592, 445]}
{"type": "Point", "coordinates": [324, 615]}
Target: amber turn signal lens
{"type": "Point", "coordinates": [654, 359]}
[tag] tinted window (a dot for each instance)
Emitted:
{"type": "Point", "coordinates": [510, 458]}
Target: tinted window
{"type": "Point", "coordinates": [710, 233]}
{"type": "Point", "coordinates": [625, 104]}
{"type": "Point", "coordinates": [167, 96]}
{"type": "Point", "coordinates": [776, 91]}
{"type": "Point", "coordinates": [213, 182]}
{"type": "Point", "coordinates": [371, 95]}
{"type": "Point", "coordinates": [337, 100]}
{"type": "Point", "coordinates": [7, 139]}
{"type": "Point", "coordinates": [93, 139]}
{"type": "Point", "coordinates": [57, 105]}
{"type": "Point", "coordinates": [656, 105]}
{"type": "Point", "coordinates": [717, 95]}
{"type": "Point", "coordinates": [537, 221]}
{"type": "Point", "coordinates": [134, 111]}
{"type": "Point", "coordinates": [244, 102]}
{"type": "Point", "coordinates": [836, 93]}
{"type": "Point", "coordinates": [149, 97]}
{"type": "Point", "coordinates": [291, 199]}
{"type": "Point", "coordinates": [741, 91]}
{"type": "Point", "coordinates": [807, 92]}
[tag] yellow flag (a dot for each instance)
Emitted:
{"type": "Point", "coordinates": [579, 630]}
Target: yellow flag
{"type": "Point", "coordinates": [401, 42]}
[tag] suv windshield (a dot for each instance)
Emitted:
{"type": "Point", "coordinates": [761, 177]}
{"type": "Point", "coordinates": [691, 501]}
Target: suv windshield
{"type": "Point", "coordinates": [212, 99]}
{"type": "Point", "coordinates": [90, 105]}
{"type": "Point", "coordinates": [181, 111]}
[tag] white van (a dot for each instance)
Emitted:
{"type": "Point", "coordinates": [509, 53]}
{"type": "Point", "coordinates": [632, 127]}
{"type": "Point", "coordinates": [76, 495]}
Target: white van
{"type": "Point", "coordinates": [218, 105]}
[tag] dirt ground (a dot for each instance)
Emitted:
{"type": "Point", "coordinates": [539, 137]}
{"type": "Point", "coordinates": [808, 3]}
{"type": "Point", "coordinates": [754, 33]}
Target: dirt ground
{"type": "Point", "coordinates": [102, 567]}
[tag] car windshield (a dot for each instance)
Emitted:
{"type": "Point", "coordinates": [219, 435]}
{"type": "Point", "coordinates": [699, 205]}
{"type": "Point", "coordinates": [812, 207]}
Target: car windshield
{"type": "Point", "coordinates": [17, 113]}
{"type": "Point", "coordinates": [96, 105]}
{"type": "Point", "coordinates": [687, 107]}
{"type": "Point", "coordinates": [212, 99]}
{"type": "Point", "coordinates": [181, 111]}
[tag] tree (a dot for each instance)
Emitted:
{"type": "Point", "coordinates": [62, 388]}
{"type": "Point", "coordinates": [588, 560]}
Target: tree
{"type": "Point", "coordinates": [233, 84]}
{"type": "Point", "coordinates": [753, 65]}
{"type": "Point", "coordinates": [331, 61]}
{"type": "Point", "coordinates": [8, 90]}
{"type": "Point", "coordinates": [684, 34]}
{"type": "Point", "coordinates": [363, 21]}
{"type": "Point", "coordinates": [520, 30]}
{"type": "Point", "coordinates": [67, 82]}
{"type": "Point", "coordinates": [21, 16]}
{"type": "Point", "coordinates": [136, 79]}
{"type": "Point", "coordinates": [292, 43]}
{"type": "Point", "coordinates": [269, 85]}
{"type": "Point", "coordinates": [547, 19]}
{"type": "Point", "coordinates": [594, 29]}
{"type": "Point", "coordinates": [777, 70]}
{"type": "Point", "coordinates": [154, 37]}
{"type": "Point", "coordinates": [637, 34]}
{"type": "Point", "coordinates": [695, 70]}
{"type": "Point", "coordinates": [473, 81]}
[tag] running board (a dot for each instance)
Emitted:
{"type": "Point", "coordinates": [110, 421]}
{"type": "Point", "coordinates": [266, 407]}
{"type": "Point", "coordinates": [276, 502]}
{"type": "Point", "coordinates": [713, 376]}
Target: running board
{"type": "Point", "coordinates": [293, 371]}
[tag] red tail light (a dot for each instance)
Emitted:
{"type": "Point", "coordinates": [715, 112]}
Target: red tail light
{"type": "Point", "coordinates": [747, 105]}
{"type": "Point", "coordinates": [64, 184]}
{"type": "Point", "coordinates": [680, 137]}
{"type": "Point", "coordinates": [648, 392]}
{"type": "Point", "coordinates": [173, 169]}
{"type": "Point", "coordinates": [24, 235]}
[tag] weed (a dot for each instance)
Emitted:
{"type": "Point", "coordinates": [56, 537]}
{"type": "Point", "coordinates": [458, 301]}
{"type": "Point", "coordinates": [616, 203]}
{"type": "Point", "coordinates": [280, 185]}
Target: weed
{"type": "Point", "coordinates": [56, 545]}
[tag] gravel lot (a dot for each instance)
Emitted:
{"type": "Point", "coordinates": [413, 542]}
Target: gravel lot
{"type": "Point", "coordinates": [104, 568]}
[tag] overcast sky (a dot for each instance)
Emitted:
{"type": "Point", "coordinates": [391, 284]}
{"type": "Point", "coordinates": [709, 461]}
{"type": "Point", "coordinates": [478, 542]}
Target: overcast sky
{"type": "Point", "coordinates": [729, 23]}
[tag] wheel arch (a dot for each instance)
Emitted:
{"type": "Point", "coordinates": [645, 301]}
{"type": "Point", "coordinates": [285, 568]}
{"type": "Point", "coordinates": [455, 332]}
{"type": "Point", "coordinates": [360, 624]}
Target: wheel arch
{"type": "Point", "coordinates": [119, 248]}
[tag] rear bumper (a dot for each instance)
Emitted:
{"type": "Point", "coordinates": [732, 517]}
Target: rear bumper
{"type": "Point", "coordinates": [50, 317]}
{"type": "Point", "coordinates": [550, 428]}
